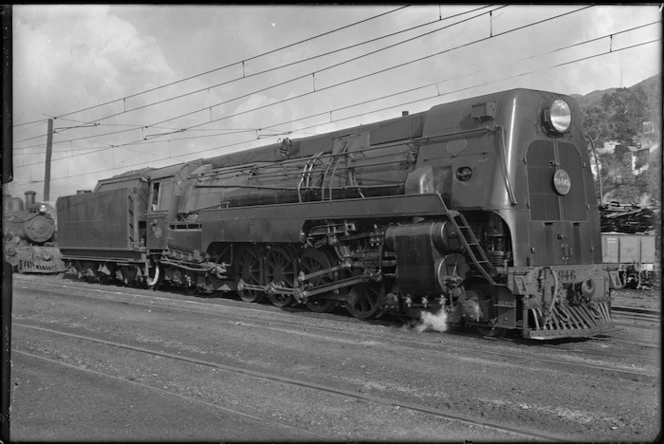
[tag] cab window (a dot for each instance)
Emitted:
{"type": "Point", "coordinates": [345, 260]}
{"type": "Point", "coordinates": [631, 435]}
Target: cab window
{"type": "Point", "coordinates": [162, 192]}
{"type": "Point", "coordinates": [154, 206]}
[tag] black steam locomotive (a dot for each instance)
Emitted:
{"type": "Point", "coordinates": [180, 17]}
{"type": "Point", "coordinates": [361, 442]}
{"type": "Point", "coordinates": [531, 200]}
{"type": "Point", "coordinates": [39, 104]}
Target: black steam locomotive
{"type": "Point", "coordinates": [483, 208]}
{"type": "Point", "coordinates": [29, 235]}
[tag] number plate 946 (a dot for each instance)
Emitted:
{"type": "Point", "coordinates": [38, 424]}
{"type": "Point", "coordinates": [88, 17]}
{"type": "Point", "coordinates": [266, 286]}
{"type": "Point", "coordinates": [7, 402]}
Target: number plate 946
{"type": "Point", "coordinates": [567, 275]}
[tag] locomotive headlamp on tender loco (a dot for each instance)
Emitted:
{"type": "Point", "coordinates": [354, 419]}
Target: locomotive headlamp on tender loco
{"type": "Point", "coordinates": [42, 208]}
{"type": "Point", "coordinates": [557, 117]}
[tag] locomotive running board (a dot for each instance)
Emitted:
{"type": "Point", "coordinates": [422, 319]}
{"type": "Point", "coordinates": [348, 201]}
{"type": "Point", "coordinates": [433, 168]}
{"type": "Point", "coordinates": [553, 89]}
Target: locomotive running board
{"type": "Point", "coordinates": [284, 222]}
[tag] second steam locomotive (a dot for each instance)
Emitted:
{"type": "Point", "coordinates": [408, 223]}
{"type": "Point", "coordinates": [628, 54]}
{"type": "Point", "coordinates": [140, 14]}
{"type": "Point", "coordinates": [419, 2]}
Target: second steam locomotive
{"type": "Point", "coordinates": [483, 208]}
{"type": "Point", "coordinates": [28, 230]}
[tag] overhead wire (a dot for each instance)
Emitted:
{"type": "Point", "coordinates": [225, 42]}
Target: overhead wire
{"type": "Point", "coordinates": [137, 143]}
{"type": "Point", "coordinates": [272, 51]}
{"type": "Point", "coordinates": [343, 82]}
{"type": "Point", "coordinates": [273, 69]}
{"type": "Point", "coordinates": [287, 65]}
{"type": "Point", "coordinates": [361, 114]}
{"type": "Point", "coordinates": [258, 91]}
{"type": "Point", "coordinates": [265, 128]}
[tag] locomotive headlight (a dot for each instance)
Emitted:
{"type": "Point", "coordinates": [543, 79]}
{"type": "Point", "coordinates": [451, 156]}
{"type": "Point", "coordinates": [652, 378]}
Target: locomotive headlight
{"type": "Point", "coordinates": [558, 116]}
{"type": "Point", "coordinates": [42, 208]}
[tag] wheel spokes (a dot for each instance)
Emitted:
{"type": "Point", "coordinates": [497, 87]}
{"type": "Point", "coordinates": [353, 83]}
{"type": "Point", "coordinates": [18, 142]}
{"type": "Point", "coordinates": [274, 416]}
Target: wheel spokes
{"type": "Point", "coordinates": [366, 301]}
{"type": "Point", "coordinates": [280, 269]}
{"type": "Point", "coordinates": [249, 270]}
{"type": "Point", "coordinates": [313, 260]}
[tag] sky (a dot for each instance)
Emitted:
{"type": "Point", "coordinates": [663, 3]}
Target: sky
{"type": "Point", "coordinates": [138, 86]}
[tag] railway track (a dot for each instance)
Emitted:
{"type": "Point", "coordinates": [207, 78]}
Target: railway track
{"type": "Point", "coordinates": [605, 353]}
{"type": "Point", "coordinates": [235, 412]}
{"type": "Point", "coordinates": [520, 432]}
{"type": "Point", "coordinates": [150, 301]}
{"type": "Point", "coordinates": [638, 314]}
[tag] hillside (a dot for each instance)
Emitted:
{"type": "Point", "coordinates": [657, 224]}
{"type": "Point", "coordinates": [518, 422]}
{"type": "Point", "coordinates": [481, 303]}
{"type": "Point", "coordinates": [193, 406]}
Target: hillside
{"type": "Point", "coordinates": [652, 87]}
{"type": "Point", "coordinates": [617, 117]}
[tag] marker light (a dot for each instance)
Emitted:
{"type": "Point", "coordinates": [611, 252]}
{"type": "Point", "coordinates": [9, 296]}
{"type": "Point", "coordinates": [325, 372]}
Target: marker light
{"type": "Point", "coordinates": [559, 116]}
{"type": "Point", "coordinates": [42, 208]}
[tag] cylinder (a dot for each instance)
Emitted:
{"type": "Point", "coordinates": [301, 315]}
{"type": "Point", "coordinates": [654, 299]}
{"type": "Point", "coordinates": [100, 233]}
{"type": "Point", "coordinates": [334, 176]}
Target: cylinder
{"type": "Point", "coordinates": [445, 237]}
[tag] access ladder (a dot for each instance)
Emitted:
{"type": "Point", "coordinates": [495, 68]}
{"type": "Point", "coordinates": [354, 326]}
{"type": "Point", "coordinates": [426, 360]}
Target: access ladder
{"type": "Point", "coordinates": [469, 242]}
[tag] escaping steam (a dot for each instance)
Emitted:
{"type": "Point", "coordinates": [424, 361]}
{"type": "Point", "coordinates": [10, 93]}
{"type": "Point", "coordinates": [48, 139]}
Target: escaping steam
{"type": "Point", "coordinates": [431, 321]}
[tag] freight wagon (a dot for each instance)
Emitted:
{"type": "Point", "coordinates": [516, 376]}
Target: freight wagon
{"type": "Point", "coordinates": [632, 259]}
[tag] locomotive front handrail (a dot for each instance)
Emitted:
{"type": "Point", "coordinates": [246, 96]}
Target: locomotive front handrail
{"type": "Point", "coordinates": [503, 165]}
{"type": "Point", "coordinates": [456, 133]}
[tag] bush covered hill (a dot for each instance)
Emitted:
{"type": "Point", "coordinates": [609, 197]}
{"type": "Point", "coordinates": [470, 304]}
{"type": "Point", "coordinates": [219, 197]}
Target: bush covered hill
{"type": "Point", "coordinates": [625, 127]}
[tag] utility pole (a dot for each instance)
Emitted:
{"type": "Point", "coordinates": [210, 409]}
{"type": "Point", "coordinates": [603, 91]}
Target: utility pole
{"type": "Point", "coordinates": [49, 150]}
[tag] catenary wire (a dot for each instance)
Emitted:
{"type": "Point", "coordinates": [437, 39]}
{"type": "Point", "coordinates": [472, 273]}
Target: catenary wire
{"type": "Point", "coordinates": [286, 65]}
{"type": "Point", "coordinates": [266, 71]}
{"type": "Point", "coordinates": [353, 79]}
{"type": "Point", "coordinates": [329, 86]}
{"type": "Point", "coordinates": [275, 103]}
{"type": "Point", "coordinates": [362, 114]}
{"type": "Point", "coordinates": [272, 51]}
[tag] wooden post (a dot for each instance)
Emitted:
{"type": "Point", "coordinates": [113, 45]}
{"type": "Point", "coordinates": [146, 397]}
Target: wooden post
{"type": "Point", "coordinates": [49, 150]}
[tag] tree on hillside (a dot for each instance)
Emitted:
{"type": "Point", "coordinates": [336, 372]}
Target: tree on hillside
{"type": "Point", "coordinates": [618, 117]}
{"type": "Point", "coordinates": [620, 183]}
{"type": "Point", "coordinates": [653, 175]}
{"type": "Point", "coordinates": [596, 125]}
{"type": "Point", "coordinates": [626, 109]}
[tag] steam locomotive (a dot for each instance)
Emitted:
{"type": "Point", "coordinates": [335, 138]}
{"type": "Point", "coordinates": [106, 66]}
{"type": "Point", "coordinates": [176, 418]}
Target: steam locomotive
{"type": "Point", "coordinates": [29, 235]}
{"type": "Point", "coordinates": [483, 209]}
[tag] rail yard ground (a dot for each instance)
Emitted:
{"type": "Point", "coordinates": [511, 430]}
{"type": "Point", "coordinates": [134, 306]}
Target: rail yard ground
{"type": "Point", "coordinates": [92, 362]}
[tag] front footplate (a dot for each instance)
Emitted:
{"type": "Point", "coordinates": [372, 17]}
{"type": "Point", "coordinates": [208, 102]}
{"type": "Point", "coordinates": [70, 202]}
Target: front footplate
{"type": "Point", "coordinates": [562, 301]}
{"type": "Point", "coordinates": [567, 321]}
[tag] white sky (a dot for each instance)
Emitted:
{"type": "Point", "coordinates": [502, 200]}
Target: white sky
{"type": "Point", "coordinates": [71, 58]}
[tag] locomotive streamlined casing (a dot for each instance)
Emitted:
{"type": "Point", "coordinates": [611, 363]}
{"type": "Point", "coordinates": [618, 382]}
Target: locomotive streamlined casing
{"type": "Point", "coordinates": [450, 140]}
{"type": "Point", "coordinates": [508, 190]}
{"type": "Point", "coordinates": [368, 193]}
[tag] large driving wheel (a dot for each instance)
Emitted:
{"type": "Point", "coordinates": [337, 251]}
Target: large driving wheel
{"type": "Point", "coordinates": [311, 261]}
{"type": "Point", "coordinates": [366, 300]}
{"type": "Point", "coordinates": [280, 269]}
{"type": "Point", "coordinates": [248, 269]}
